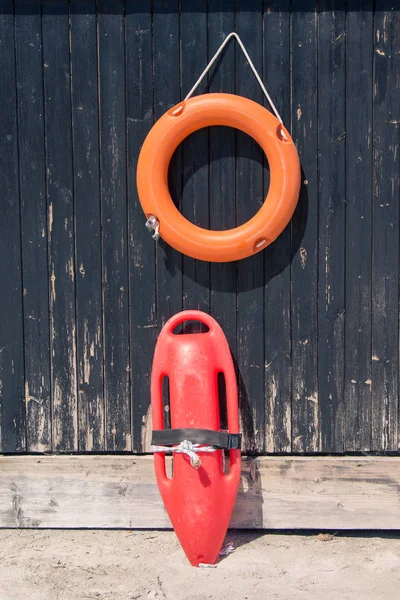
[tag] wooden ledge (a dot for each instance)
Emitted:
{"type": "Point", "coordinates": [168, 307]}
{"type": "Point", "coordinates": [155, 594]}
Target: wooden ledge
{"type": "Point", "coordinates": [105, 491]}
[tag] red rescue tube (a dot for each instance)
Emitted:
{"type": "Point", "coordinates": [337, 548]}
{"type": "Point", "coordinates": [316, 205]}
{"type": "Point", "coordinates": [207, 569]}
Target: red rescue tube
{"type": "Point", "coordinates": [199, 502]}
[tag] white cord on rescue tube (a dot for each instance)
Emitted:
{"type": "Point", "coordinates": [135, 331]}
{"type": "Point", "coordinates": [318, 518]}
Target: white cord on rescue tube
{"type": "Point", "coordinates": [214, 58]}
{"type": "Point", "coordinates": [187, 448]}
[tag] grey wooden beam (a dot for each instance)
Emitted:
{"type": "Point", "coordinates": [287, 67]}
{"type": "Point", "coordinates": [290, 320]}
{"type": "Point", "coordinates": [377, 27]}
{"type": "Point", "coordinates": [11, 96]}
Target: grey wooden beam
{"type": "Point", "coordinates": [275, 493]}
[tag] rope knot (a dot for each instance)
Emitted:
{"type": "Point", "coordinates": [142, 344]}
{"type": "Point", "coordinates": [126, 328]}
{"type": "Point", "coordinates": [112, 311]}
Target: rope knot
{"type": "Point", "coordinates": [186, 447]}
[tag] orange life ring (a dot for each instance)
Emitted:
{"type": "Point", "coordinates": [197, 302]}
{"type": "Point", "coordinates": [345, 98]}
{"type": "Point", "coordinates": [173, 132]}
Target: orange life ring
{"type": "Point", "coordinates": [152, 176]}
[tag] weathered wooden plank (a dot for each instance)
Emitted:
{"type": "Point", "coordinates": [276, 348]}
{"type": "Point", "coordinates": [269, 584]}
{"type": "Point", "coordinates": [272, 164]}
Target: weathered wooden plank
{"type": "Point", "coordinates": [274, 493]}
{"type": "Point", "coordinates": [166, 67]}
{"type": "Point", "coordinates": [85, 114]}
{"type": "Point", "coordinates": [142, 249]}
{"type": "Point", "coordinates": [385, 231]}
{"type": "Point", "coordinates": [357, 376]}
{"type": "Point", "coordinates": [12, 404]}
{"type": "Point", "coordinates": [276, 76]}
{"type": "Point", "coordinates": [195, 168]}
{"type": "Point", "coordinates": [29, 65]}
{"type": "Point", "coordinates": [331, 228]}
{"type": "Point", "coordinates": [306, 427]}
{"type": "Point", "coordinates": [249, 198]}
{"type": "Point", "coordinates": [222, 189]}
{"type": "Point", "coordinates": [59, 182]}
{"type": "Point", "coordinates": [111, 46]}
{"type": "Point", "coordinates": [29, 77]}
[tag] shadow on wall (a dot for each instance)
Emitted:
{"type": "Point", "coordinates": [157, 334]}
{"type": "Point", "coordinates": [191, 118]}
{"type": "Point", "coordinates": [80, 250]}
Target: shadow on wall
{"type": "Point", "coordinates": [277, 256]}
{"type": "Point", "coordinates": [249, 502]}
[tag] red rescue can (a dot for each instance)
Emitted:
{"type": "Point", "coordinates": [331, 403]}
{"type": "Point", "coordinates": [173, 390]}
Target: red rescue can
{"type": "Point", "coordinates": [199, 499]}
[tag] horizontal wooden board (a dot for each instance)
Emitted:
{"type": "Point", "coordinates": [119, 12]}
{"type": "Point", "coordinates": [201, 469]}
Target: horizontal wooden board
{"type": "Point", "coordinates": [275, 493]}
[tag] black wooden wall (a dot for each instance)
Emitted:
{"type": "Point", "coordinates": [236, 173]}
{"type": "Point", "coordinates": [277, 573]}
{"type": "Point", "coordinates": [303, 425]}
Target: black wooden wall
{"type": "Point", "coordinates": [313, 321]}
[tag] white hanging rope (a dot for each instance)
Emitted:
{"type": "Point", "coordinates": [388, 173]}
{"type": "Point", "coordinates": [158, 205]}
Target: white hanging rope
{"type": "Point", "coordinates": [214, 58]}
{"type": "Point", "coordinates": [187, 448]}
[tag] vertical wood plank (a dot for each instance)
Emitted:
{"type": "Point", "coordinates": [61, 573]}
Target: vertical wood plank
{"type": "Point", "coordinates": [304, 272]}
{"type": "Point", "coordinates": [29, 65]}
{"type": "Point", "coordinates": [88, 232]}
{"type": "Point", "coordinates": [277, 256]}
{"type": "Point", "coordinates": [195, 168]}
{"type": "Point", "coordinates": [12, 405]}
{"type": "Point", "coordinates": [142, 249]}
{"type": "Point", "coordinates": [111, 44]}
{"type": "Point", "coordinates": [249, 198]}
{"type": "Point", "coordinates": [357, 376]}
{"type": "Point", "coordinates": [56, 58]}
{"type": "Point", "coordinates": [385, 231]}
{"type": "Point", "coordinates": [166, 33]}
{"type": "Point", "coordinates": [331, 240]}
{"type": "Point", "coordinates": [222, 193]}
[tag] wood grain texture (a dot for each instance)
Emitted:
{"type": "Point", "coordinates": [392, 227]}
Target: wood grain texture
{"type": "Point", "coordinates": [222, 192]}
{"type": "Point", "coordinates": [306, 426]}
{"type": "Point", "coordinates": [29, 66]}
{"type": "Point", "coordinates": [312, 321]}
{"type": "Point", "coordinates": [249, 198]}
{"type": "Point", "coordinates": [12, 402]}
{"type": "Point", "coordinates": [195, 153]}
{"type": "Point", "coordinates": [277, 256]}
{"type": "Point", "coordinates": [331, 227]}
{"type": "Point", "coordinates": [59, 181]}
{"type": "Point", "coordinates": [358, 351]}
{"type": "Point", "coordinates": [111, 47]}
{"type": "Point", "coordinates": [85, 116]}
{"type": "Point", "coordinates": [167, 93]}
{"type": "Point", "coordinates": [274, 493]}
{"type": "Point", "coordinates": [142, 249]}
{"type": "Point", "coordinates": [385, 231]}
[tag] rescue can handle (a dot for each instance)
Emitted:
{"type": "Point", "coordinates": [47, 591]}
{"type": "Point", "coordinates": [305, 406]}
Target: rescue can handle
{"type": "Point", "coordinates": [190, 315]}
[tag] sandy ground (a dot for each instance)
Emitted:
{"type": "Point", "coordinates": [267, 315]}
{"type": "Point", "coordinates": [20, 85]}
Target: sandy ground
{"type": "Point", "coordinates": [119, 565]}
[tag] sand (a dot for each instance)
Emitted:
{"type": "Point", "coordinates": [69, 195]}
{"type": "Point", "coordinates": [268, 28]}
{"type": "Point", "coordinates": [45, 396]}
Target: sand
{"type": "Point", "coordinates": [119, 565]}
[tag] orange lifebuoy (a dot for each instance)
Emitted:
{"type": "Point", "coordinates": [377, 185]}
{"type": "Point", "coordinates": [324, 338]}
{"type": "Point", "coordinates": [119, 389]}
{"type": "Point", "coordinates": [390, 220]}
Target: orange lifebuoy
{"type": "Point", "coordinates": [152, 176]}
